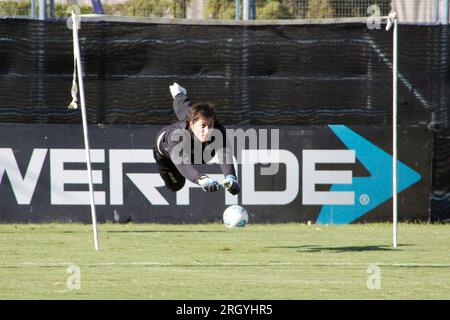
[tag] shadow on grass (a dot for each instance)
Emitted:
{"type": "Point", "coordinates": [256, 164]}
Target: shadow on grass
{"type": "Point", "coordinates": [318, 248]}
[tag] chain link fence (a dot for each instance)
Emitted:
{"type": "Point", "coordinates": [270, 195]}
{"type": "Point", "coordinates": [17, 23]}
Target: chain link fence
{"type": "Point", "coordinates": [221, 9]}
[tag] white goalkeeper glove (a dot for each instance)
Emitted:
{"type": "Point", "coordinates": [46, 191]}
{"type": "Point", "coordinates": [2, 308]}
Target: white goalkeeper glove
{"type": "Point", "coordinates": [231, 184]}
{"type": "Point", "coordinates": [208, 184]}
{"type": "Point", "coordinates": [176, 89]}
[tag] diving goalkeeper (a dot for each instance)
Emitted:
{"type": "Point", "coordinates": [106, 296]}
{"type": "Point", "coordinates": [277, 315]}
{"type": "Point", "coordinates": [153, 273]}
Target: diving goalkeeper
{"type": "Point", "coordinates": [195, 128]}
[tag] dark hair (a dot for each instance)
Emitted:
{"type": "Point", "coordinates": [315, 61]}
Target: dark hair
{"type": "Point", "coordinates": [203, 110]}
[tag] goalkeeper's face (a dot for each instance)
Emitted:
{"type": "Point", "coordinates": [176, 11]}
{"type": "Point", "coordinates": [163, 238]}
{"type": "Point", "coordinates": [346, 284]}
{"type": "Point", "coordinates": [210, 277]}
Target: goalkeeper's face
{"type": "Point", "coordinates": [203, 129]}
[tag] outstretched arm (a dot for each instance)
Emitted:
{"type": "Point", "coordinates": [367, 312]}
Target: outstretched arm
{"type": "Point", "coordinates": [226, 164]}
{"type": "Point", "coordinates": [208, 184]}
{"type": "Point", "coordinates": [181, 103]}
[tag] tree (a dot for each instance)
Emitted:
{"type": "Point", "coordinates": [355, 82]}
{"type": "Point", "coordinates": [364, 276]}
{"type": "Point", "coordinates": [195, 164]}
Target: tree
{"type": "Point", "coordinates": [273, 9]}
{"type": "Point", "coordinates": [179, 8]}
{"type": "Point", "coordinates": [319, 9]}
{"type": "Point", "coordinates": [220, 9]}
{"type": "Point", "coordinates": [149, 8]}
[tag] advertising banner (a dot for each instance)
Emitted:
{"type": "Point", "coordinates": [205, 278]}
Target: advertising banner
{"type": "Point", "coordinates": [333, 174]}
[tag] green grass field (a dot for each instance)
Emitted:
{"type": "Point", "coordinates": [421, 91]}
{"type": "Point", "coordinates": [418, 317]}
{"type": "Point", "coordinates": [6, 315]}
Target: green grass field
{"type": "Point", "coordinates": [286, 261]}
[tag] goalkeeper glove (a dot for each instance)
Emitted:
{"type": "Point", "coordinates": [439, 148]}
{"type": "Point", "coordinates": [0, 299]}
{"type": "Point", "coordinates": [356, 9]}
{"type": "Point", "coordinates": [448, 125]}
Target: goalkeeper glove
{"type": "Point", "coordinates": [176, 89]}
{"type": "Point", "coordinates": [231, 184]}
{"type": "Point", "coordinates": [208, 184]}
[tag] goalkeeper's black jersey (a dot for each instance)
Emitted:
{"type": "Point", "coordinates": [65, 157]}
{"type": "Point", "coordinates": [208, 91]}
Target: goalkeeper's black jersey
{"type": "Point", "coordinates": [169, 146]}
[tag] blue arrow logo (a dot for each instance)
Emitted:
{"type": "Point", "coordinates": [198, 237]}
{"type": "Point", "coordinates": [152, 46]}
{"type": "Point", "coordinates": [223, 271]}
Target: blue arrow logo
{"type": "Point", "coordinates": [371, 191]}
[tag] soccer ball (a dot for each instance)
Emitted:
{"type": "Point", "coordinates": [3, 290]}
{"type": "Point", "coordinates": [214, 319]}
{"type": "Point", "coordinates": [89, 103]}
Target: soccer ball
{"type": "Point", "coordinates": [235, 217]}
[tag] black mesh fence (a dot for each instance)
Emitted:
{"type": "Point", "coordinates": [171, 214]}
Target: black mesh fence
{"type": "Point", "coordinates": [254, 74]}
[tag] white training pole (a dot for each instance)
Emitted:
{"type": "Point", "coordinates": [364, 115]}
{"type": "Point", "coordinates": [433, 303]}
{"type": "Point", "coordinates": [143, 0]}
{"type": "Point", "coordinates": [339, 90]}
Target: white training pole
{"type": "Point", "coordinates": [76, 48]}
{"type": "Point", "coordinates": [394, 132]}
